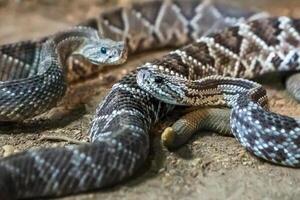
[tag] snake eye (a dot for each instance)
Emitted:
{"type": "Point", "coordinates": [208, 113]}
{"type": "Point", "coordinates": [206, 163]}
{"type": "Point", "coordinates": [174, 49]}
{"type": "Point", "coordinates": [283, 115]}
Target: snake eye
{"type": "Point", "coordinates": [103, 50]}
{"type": "Point", "coordinates": [158, 80]}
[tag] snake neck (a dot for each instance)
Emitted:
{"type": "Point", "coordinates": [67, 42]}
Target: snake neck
{"type": "Point", "coordinates": [66, 48]}
{"type": "Point", "coordinates": [65, 44]}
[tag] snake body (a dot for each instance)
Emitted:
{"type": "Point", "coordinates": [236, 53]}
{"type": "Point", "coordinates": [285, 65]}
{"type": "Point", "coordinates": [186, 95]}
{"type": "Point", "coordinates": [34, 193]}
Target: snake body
{"type": "Point", "coordinates": [210, 119]}
{"type": "Point", "coordinates": [215, 61]}
{"type": "Point", "coordinates": [119, 131]}
{"type": "Point", "coordinates": [33, 73]}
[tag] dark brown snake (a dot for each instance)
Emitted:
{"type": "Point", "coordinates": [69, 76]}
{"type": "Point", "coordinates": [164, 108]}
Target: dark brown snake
{"type": "Point", "coordinates": [33, 75]}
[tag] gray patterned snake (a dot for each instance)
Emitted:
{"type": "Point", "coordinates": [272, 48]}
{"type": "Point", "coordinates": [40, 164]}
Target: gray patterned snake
{"type": "Point", "coordinates": [212, 70]}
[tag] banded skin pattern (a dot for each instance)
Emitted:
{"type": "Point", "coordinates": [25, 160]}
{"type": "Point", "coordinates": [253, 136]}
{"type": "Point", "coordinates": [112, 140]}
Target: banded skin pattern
{"type": "Point", "coordinates": [206, 77]}
{"type": "Point", "coordinates": [161, 24]}
{"type": "Point", "coordinates": [36, 78]}
{"type": "Point", "coordinates": [119, 131]}
{"type": "Point", "coordinates": [210, 119]}
{"type": "Point", "coordinates": [18, 86]}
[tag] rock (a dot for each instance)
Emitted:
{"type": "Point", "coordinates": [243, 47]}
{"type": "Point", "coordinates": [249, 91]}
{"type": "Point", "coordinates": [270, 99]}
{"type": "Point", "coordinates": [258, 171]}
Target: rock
{"type": "Point", "coordinates": [8, 150]}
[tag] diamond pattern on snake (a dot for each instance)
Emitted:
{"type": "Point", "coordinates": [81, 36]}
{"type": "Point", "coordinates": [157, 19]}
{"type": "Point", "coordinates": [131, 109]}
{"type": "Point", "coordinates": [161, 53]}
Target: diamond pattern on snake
{"type": "Point", "coordinates": [218, 48]}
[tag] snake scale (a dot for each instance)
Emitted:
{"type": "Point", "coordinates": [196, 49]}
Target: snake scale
{"type": "Point", "coordinates": [34, 74]}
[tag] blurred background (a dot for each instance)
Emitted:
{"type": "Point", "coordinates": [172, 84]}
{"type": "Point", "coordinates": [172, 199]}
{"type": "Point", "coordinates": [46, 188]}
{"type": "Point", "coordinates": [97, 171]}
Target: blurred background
{"type": "Point", "coordinates": [23, 19]}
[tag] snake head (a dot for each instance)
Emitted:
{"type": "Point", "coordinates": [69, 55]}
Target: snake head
{"type": "Point", "coordinates": [103, 52]}
{"type": "Point", "coordinates": [163, 87]}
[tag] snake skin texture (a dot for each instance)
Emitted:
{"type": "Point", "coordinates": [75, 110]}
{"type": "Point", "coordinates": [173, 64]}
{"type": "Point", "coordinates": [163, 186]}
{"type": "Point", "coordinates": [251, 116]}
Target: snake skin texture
{"type": "Point", "coordinates": [33, 73]}
{"type": "Point", "coordinates": [19, 81]}
{"type": "Point", "coordinates": [243, 51]}
{"type": "Point", "coordinates": [210, 119]}
{"type": "Point", "coordinates": [119, 131]}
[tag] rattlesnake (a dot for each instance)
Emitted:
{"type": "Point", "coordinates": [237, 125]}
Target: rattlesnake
{"type": "Point", "coordinates": [119, 130]}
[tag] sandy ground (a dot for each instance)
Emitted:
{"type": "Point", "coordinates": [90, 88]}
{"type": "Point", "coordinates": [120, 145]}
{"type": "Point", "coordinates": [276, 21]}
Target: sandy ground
{"type": "Point", "coordinates": [210, 166]}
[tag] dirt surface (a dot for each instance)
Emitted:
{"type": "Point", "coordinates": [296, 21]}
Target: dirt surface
{"type": "Point", "coordinates": [210, 166]}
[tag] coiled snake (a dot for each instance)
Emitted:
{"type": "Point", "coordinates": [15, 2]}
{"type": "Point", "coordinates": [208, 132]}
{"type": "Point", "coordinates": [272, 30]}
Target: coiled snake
{"type": "Point", "coordinates": [206, 72]}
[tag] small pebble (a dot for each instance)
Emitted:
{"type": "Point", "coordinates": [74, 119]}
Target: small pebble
{"type": "Point", "coordinates": [8, 150]}
{"type": "Point", "coordinates": [194, 174]}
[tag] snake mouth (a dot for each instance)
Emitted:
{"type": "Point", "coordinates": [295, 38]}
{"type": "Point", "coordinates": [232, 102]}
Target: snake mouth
{"type": "Point", "coordinates": [116, 60]}
{"type": "Point", "coordinates": [122, 58]}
